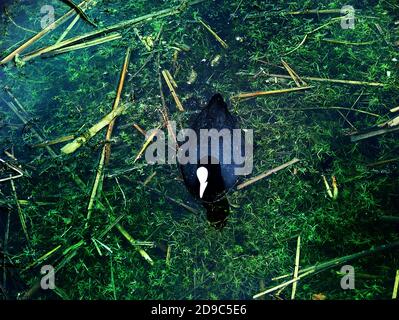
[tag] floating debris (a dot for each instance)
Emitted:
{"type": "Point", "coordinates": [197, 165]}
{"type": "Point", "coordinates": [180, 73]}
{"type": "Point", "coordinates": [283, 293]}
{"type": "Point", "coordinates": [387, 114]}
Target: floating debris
{"type": "Point", "coordinates": [192, 76]}
{"type": "Point", "coordinates": [216, 60]}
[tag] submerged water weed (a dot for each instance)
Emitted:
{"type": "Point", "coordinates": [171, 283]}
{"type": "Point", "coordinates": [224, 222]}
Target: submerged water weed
{"type": "Point", "coordinates": [70, 92]}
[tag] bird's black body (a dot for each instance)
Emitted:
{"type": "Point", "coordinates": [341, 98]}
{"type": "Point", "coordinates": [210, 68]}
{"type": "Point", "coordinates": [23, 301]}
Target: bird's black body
{"type": "Point", "coordinates": [221, 175]}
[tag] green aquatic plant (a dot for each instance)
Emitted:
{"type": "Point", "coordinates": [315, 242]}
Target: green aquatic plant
{"type": "Point", "coordinates": [139, 205]}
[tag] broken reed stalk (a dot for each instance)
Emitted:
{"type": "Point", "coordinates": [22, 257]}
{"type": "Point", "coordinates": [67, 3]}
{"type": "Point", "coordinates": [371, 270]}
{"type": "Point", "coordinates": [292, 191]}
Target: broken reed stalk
{"type": "Point", "coordinates": [338, 261]}
{"type": "Point", "coordinates": [37, 203]}
{"type": "Point", "coordinates": [395, 286]}
{"type": "Point", "coordinates": [42, 33]}
{"type": "Point", "coordinates": [164, 110]}
{"type": "Point", "coordinates": [119, 89]}
{"type": "Point", "coordinates": [285, 13]}
{"type": "Point", "coordinates": [84, 45]}
{"type": "Point", "coordinates": [282, 285]}
{"type": "Point", "coordinates": [262, 93]}
{"type": "Point", "coordinates": [14, 98]}
{"type": "Point", "coordinates": [396, 109]}
{"type": "Point", "coordinates": [97, 247]}
{"type": "Point", "coordinates": [298, 46]}
{"type": "Point", "coordinates": [296, 270]}
{"type": "Point", "coordinates": [26, 202]}
{"type": "Point", "coordinates": [168, 252]}
{"type": "Point", "coordinates": [10, 155]}
{"type": "Point", "coordinates": [146, 143]}
{"type": "Point", "coordinates": [315, 11]}
{"type": "Point", "coordinates": [172, 81]}
{"type": "Point", "coordinates": [287, 67]}
{"type": "Point", "coordinates": [69, 45]}
{"type": "Point", "coordinates": [352, 82]}
{"type": "Point", "coordinates": [133, 243]}
{"type": "Point", "coordinates": [96, 33]}
{"type": "Point", "coordinates": [15, 45]}
{"type": "Point", "coordinates": [378, 163]}
{"type": "Point", "coordinates": [69, 28]}
{"type": "Point", "coordinates": [106, 150]}
{"type": "Point", "coordinates": [20, 213]}
{"type": "Point", "coordinates": [150, 244]}
{"type": "Point", "coordinates": [80, 12]}
{"type": "Point", "coordinates": [42, 258]}
{"type": "Point", "coordinates": [149, 178]}
{"type": "Point", "coordinates": [326, 108]}
{"type": "Point", "coordinates": [112, 277]}
{"type": "Point", "coordinates": [298, 81]}
{"type": "Point", "coordinates": [375, 133]}
{"type": "Point", "coordinates": [328, 189]}
{"type": "Point", "coordinates": [82, 139]}
{"type": "Point", "coordinates": [348, 42]}
{"type": "Point", "coordinates": [327, 265]}
{"type": "Point", "coordinates": [139, 129]}
{"type": "Point", "coordinates": [266, 174]}
{"type": "Point", "coordinates": [52, 47]}
{"type": "Point", "coordinates": [19, 172]}
{"type": "Point", "coordinates": [113, 224]}
{"type": "Point", "coordinates": [97, 186]}
{"type": "Point", "coordinates": [72, 24]}
{"type": "Point", "coordinates": [390, 123]}
{"type": "Point", "coordinates": [219, 39]}
{"type": "Point", "coordinates": [172, 90]}
{"type": "Point", "coordinates": [171, 133]}
{"type": "Point", "coordinates": [394, 122]}
{"type": "Point", "coordinates": [52, 142]}
{"type": "Point", "coordinates": [346, 120]}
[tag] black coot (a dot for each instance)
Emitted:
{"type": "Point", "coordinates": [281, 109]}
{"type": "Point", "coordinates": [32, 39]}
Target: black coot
{"type": "Point", "coordinates": [221, 174]}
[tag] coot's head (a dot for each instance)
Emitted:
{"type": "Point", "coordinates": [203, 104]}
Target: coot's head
{"type": "Point", "coordinates": [215, 115]}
